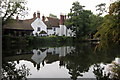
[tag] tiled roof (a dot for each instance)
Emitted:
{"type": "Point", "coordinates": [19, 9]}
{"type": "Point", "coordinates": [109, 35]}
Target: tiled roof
{"type": "Point", "coordinates": [52, 22]}
{"type": "Point", "coordinates": [19, 25]}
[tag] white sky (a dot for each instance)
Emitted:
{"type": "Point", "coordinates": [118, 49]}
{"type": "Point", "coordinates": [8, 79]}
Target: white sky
{"type": "Point", "coordinates": [57, 7]}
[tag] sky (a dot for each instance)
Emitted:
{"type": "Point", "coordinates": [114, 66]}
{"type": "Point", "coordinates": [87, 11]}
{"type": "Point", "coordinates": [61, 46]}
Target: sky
{"type": "Point", "coordinates": [58, 7]}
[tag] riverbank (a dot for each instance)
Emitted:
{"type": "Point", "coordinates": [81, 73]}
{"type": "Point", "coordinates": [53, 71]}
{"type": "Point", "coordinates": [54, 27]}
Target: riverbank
{"type": "Point", "coordinates": [32, 40]}
{"type": "Point", "coordinates": [52, 40]}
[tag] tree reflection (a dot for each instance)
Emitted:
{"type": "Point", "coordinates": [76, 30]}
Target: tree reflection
{"type": "Point", "coordinates": [78, 61]}
{"type": "Point", "coordinates": [82, 57]}
{"type": "Point", "coordinates": [10, 72]}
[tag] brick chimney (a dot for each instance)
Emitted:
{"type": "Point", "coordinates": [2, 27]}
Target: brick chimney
{"type": "Point", "coordinates": [61, 19]}
{"type": "Point", "coordinates": [34, 15]}
{"type": "Point", "coordinates": [43, 18]}
{"type": "Point", "coordinates": [38, 14]}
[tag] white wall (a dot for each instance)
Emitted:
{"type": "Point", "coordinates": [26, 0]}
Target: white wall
{"type": "Point", "coordinates": [38, 23]}
{"type": "Point", "coordinates": [50, 31]}
{"type": "Point", "coordinates": [62, 30]}
{"type": "Point", "coordinates": [58, 31]}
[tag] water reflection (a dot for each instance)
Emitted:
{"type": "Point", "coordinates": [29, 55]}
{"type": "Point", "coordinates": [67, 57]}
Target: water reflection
{"type": "Point", "coordinates": [38, 57]}
{"type": "Point", "coordinates": [108, 72]}
{"type": "Point", "coordinates": [76, 61]}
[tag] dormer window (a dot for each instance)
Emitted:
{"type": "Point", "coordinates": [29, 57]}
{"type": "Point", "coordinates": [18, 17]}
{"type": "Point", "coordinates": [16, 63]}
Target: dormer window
{"type": "Point", "coordinates": [38, 29]}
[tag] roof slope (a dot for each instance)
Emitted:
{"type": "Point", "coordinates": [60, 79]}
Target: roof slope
{"type": "Point", "coordinates": [52, 22]}
{"type": "Point", "coordinates": [19, 24]}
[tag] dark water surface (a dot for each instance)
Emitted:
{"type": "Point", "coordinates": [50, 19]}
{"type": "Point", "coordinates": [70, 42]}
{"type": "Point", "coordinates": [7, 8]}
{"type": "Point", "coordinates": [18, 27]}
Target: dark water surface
{"type": "Point", "coordinates": [66, 61]}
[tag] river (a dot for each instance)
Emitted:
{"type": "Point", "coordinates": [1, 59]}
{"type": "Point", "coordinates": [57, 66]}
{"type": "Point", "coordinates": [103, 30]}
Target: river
{"type": "Point", "coordinates": [65, 61]}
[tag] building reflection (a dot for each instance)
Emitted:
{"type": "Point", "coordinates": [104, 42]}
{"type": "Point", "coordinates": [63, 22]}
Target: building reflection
{"type": "Point", "coordinates": [76, 59]}
{"type": "Point", "coordinates": [38, 56]}
{"type": "Point", "coordinates": [61, 51]}
{"type": "Point", "coordinates": [41, 56]}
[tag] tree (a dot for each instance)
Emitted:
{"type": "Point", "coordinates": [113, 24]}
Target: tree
{"type": "Point", "coordinates": [52, 15]}
{"type": "Point", "coordinates": [10, 9]}
{"type": "Point", "coordinates": [10, 72]}
{"type": "Point", "coordinates": [79, 20]}
{"type": "Point", "coordinates": [110, 29]}
{"type": "Point", "coordinates": [95, 23]}
{"type": "Point", "coordinates": [101, 8]}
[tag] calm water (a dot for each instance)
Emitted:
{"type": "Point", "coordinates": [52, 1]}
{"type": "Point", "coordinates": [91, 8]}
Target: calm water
{"type": "Point", "coordinates": [78, 61]}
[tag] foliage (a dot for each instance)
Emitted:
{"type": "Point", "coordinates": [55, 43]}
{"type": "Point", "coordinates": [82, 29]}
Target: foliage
{"type": "Point", "coordinates": [79, 20]}
{"type": "Point", "coordinates": [13, 40]}
{"type": "Point", "coordinates": [52, 40]}
{"type": "Point", "coordinates": [116, 71]}
{"type": "Point", "coordinates": [109, 31]}
{"type": "Point", "coordinates": [10, 72]}
{"type": "Point", "coordinates": [99, 73]}
{"type": "Point", "coordinates": [95, 23]}
{"type": "Point", "coordinates": [102, 74]}
{"type": "Point", "coordinates": [101, 8]}
{"type": "Point", "coordinates": [10, 9]}
{"type": "Point", "coordinates": [52, 15]}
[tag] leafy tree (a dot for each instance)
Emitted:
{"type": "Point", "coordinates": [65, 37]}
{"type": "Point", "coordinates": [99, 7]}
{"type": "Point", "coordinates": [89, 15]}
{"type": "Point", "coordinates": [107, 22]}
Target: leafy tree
{"type": "Point", "coordinates": [100, 73]}
{"type": "Point", "coordinates": [9, 9]}
{"type": "Point", "coordinates": [101, 8]}
{"type": "Point", "coordinates": [79, 20]}
{"type": "Point", "coordinates": [110, 29]}
{"type": "Point", "coordinates": [95, 23]}
{"type": "Point", "coordinates": [10, 72]}
{"type": "Point", "coordinates": [52, 15]}
{"type": "Point", "coordinates": [116, 70]}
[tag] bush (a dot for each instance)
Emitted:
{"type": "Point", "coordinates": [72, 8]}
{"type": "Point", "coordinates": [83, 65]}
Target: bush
{"type": "Point", "coordinates": [52, 40]}
{"type": "Point", "coordinates": [37, 41]}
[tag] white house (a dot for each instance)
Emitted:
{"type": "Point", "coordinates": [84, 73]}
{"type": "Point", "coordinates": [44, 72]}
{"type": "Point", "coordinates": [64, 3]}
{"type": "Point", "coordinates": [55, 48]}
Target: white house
{"type": "Point", "coordinates": [39, 26]}
{"type": "Point", "coordinates": [50, 26]}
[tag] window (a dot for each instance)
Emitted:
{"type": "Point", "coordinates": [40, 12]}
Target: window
{"type": "Point", "coordinates": [38, 29]}
{"type": "Point", "coordinates": [54, 29]}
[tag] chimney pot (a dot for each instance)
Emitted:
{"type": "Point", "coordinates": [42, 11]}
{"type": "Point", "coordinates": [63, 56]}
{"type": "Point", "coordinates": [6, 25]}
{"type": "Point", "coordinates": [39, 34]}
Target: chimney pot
{"type": "Point", "coordinates": [43, 18]}
{"type": "Point", "coordinates": [61, 19]}
{"type": "Point", "coordinates": [34, 15]}
{"type": "Point", "coordinates": [38, 14]}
